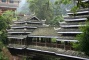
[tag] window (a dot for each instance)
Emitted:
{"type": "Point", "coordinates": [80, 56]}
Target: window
{"type": "Point", "coordinates": [11, 1]}
{"type": "Point", "coordinates": [3, 0]}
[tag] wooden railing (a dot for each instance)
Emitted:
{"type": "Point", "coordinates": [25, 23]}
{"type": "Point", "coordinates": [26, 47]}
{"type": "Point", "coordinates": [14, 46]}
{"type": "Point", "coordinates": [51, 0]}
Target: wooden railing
{"type": "Point", "coordinates": [54, 45]}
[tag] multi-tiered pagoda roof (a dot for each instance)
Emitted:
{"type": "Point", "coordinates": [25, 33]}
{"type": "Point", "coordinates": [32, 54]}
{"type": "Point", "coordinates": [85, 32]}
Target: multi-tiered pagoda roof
{"type": "Point", "coordinates": [21, 28]}
{"type": "Point", "coordinates": [70, 28]}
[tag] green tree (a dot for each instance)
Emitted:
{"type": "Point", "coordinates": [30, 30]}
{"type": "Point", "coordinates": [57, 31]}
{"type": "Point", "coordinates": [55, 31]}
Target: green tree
{"type": "Point", "coordinates": [5, 20]}
{"type": "Point", "coordinates": [42, 9]}
{"type": "Point", "coordinates": [83, 44]}
{"type": "Point", "coordinates": [3, 26]}
{"type": "Point", "coordinates": [63, 1]}
{"type": "Point", "coordinates": [8, 16]}
{"type": "Point", "coordinates": [55, 21]}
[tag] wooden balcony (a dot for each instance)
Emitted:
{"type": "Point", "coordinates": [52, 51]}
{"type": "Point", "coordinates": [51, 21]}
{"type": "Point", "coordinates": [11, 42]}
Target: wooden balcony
{"type": "Point", "coordinates": [16, 36]}
{"type": "Point", "coordinates": [58, 51]}
{"type": "Point", "coordinates": [55, 51]}
{"type": "Point", "coordinates": [16, 46]}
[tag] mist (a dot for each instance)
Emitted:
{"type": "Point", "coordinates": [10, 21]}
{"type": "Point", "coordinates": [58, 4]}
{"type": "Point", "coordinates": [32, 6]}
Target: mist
{"type": "Point", "coordinates": [23, 7]}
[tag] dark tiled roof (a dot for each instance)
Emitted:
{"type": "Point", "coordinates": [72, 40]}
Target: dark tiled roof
{"type": "Point", "coordinates": [29, 19]}
{"type": "Point", "coordinates": [74, 17]}
{"type": "Point", "coordinates": [44, 32]}
{"type": "Point", "coordinates": [21, 30]}
{"type": "Point", "coordinates": [69, 30]}
{"type": "Point", "coordinates": [17, 36]}
{"type": "Point", "coordinates": [8, 5]}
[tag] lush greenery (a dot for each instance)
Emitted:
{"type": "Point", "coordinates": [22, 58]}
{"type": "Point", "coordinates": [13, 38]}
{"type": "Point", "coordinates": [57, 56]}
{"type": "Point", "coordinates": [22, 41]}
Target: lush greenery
{"type": "Point", "coordinates": [42, 9]}
{"type": "Point", "coordinates": [83, 44]}
{"type": "Point", "coordinates": [46, 10]}
{"type": "Point", "coordinates": [5, 19]}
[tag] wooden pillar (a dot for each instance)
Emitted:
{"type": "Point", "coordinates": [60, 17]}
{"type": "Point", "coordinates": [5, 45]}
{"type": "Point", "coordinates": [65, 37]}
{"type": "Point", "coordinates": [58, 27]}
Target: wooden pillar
{"type": "Point", "coordinates": [64, 44]}
{"type": "Point", "coordinates": [70, 45]}
{"type": "Point", "coordinates": [56, 44]}
{"type": "Point", "coordinates": [50, 42]}
{"type": "Point", "coordinates": [39, 40]}
{"type": "Point", "coordinates": [32, 41]}
{"type": "Point", "coordinates": [25, 41]}
{"type": "Point", "coordinates": [14, 41]}
{"type": "Point", "coordinates": [21, 41]}
{"type": "Point", "coordinates": [36, 41]}
{"type": "Point", "coordinates": [9, 42]}
{"type": "Point", "coordinates": [45, 41]}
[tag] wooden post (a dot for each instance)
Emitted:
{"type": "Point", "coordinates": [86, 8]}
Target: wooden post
{"type": "Point", "coordinates": [25, 41]}
{"type": "Point", "coordinates": [36, 41]}
{"type": "Point", "coordinates": [64, 44]}
{"type": "Point", "coordinates": [32, 40]}
{"type": "Point", "coordinates": [45, 41]}
{"type": "Point", "coordinates": [13, 41]}
{"type": "Point", "coordinates": [9, 41]}
{"type": "Point", "coordinates": [21, 41]}
{"type": "Point", "coordinates": [50, 42]}
{"type": "Point", "coordinates": [70, 45]}
{"type": "Point", "coordinates": [56, 44]}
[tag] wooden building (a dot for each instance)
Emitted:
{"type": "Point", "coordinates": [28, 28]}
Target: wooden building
{"type": "Point", "coordinates": [8, 5]}
{"type": "Point", "coordinates": [17, 35]}
{"type": "Point", "coordinates": [70, 28]}
{"type": "Point", "coordinates": [30, 34]}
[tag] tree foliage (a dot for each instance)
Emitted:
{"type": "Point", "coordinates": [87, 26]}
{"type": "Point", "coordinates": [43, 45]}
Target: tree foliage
{"type": "Point", "coordinates": [42, 9]}
{"type": "Point", "coordinates": [55, 21]}
{"type": "Point", "coordinates": [5, 20]}
{"type": "Point", "coordinates": [8, 16]}
{"type": "Point", "coordinates": [83, 39]}
{"type": "Point", "coordinates": [2, 24]}
{"type": "Point", "coordinates": [63, 1]}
